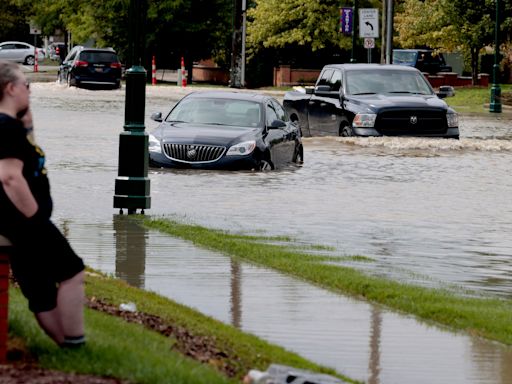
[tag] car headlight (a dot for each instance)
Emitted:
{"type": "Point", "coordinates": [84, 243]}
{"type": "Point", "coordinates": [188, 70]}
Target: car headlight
{"type": "Point", "coordinates": [452, 119]}
{"type": "Point", "coordinates": [242, 149]}
{"type": "Point", "coordinates": [364, 120]}
{"type": "Point", "coordinates": [154, 144]}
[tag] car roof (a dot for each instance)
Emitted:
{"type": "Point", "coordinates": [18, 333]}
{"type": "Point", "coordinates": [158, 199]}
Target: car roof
{"type": "Point", "coordinates": [247, 96]}
{"type": "Point", "coordinates": [356, 67]}
{"type": "Point", "coordinates": [14, 42]}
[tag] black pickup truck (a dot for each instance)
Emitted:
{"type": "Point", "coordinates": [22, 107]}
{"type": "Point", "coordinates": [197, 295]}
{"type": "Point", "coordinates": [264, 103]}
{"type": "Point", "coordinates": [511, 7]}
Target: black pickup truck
{"type": "Point", "coordinates": [372, 100]}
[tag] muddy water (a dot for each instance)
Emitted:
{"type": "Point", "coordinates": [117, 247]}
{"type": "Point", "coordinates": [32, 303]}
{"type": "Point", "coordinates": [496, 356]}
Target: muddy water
{"type": "Point", "coordinates": [431, 212]}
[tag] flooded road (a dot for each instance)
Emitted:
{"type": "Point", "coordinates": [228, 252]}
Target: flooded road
{"type": "Point", "coordinates": [430, 212]}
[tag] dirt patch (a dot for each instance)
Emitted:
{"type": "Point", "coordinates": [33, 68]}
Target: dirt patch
{"type": "Point", "coordinates": [201, 348]}
{"type": "Point", "coordinates": [27, 373]}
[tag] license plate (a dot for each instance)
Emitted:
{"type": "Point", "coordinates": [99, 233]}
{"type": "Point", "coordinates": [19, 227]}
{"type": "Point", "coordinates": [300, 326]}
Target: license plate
{"type": "Point", "coordinates": [98, 69]}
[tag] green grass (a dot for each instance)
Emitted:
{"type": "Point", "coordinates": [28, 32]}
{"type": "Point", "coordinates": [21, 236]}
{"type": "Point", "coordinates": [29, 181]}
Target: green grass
{"type": "Point", "coordinates": [474, 99]}
{"type": "Point", "coordinates": [486, 317]}
{"type": "Point", "coordinates": [118, 349]}
{"type": "Point", "coordinates": [114, 349]}
{"type": "Point", "coordinates": [245, 351]}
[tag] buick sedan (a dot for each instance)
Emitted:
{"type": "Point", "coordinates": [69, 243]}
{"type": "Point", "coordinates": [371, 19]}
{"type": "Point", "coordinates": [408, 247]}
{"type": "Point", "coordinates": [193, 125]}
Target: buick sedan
{"type": "Point", "coordinates": [225, 130]}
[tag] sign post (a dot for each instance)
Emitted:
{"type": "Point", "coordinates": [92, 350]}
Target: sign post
{"type": "Point", "coordinates": [369, 28]}
{"type": "Point", "coordinates": [35, 30]}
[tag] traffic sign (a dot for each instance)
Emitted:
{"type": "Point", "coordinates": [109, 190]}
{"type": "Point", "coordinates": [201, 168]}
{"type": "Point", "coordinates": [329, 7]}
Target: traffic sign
{"type": "Point", "coordinates": [369, 42]}
{"type": "Point", "coordinates": [368, 22]}
{"type": "Point", "coordinates": [35, 29]}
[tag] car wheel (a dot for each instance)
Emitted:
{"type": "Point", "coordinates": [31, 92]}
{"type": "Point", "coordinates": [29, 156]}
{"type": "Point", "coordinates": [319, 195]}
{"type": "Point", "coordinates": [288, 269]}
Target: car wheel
{"type": "Point", "coordinates": [265, 165]}
{"type": "Point", "coordinates": [346, 129]}
{"type": "Point", "coordinates": [29, 60]}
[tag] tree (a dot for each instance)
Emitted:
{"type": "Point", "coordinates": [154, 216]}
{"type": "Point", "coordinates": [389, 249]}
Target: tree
{"type": "Point", "coordinates": [14, 22]}
{"type": "Point", "coordinates": [284, 23]}
{"type": "Point", "coordinates": [449, 25]}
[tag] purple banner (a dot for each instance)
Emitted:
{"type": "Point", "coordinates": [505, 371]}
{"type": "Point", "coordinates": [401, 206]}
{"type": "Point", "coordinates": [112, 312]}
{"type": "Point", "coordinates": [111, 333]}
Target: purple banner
{"type": "Point", "coordinates": [346, 17]}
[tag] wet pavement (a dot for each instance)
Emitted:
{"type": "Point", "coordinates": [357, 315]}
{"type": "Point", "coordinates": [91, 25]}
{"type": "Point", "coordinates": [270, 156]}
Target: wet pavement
{"type": "Point", "coordinates": [430, 212]}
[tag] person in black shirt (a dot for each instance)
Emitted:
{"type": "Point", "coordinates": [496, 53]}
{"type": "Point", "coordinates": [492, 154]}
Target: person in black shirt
{"type": "Point", "coordinates": [47, 269]}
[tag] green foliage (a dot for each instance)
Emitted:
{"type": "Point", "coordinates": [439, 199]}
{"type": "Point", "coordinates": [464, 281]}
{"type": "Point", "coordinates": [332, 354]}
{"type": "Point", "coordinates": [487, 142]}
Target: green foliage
{"type": "Point", "coordinates": [14, 22]}
{"type": "Point", "coordinates": [466, 26]}
{"type": "Point", "coordinates": [278, 23]}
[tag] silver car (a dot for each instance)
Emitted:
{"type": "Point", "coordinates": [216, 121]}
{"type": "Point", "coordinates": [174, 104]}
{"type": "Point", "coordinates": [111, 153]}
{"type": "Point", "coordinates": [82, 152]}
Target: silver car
{"type": "Point", "coordinates": [20, 52]}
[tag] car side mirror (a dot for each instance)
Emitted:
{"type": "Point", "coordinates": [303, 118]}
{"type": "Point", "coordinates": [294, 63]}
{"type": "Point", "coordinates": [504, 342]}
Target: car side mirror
{"type": "Point", "coordinates": [157, 116]}
{"type": "Point", "coordinates": [276, 124]}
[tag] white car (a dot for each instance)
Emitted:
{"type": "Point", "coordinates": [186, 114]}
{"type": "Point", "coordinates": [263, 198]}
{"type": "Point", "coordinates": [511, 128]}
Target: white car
{"type": "Point", "coordinates": [20, 52]}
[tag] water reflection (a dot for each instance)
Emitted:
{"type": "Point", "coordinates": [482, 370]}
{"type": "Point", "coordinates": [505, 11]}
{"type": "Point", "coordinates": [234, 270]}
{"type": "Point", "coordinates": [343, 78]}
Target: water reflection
{"type": "Point", "coordinates": [365, 342]}
{"type": "Point", "coordinates": [130, 250]}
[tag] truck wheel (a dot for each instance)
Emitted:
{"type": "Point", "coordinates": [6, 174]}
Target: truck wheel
{"type": "Point", "coordinates": [345, 129]}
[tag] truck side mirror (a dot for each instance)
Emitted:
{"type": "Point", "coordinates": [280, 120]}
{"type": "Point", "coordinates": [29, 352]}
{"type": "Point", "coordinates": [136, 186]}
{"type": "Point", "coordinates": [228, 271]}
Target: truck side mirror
{"type": "Point", "coordinates": [322, 89]}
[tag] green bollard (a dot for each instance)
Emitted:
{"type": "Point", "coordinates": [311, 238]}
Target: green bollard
{"type": "Point", "coordinates": [132, 187]}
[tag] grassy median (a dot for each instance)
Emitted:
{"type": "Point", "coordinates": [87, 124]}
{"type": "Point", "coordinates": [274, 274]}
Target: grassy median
{"type": "Point", "coordinates": [486, 317]}
{"type": "Point", "coordinates": [474, 99]}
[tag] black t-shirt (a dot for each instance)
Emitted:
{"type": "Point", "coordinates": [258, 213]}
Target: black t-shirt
{"type": "Point", "coordinates": [15, 144]}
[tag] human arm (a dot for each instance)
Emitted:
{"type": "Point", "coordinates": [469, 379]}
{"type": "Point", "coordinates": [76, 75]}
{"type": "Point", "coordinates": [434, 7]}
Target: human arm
{"type": "Point", "coordinates": [16, 187]}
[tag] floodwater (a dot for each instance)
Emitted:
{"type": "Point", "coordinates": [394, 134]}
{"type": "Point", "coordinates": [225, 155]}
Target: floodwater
{"type": "Point", "coordinates": [426, 211]}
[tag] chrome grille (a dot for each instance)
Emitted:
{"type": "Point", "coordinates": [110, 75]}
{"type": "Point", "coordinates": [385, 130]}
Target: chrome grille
{"type": "Point", "coordinates": [413, 121]}
{"type": "Point", "coordinates": [193, 153]}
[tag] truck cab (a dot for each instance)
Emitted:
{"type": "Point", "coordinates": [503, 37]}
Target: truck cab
{"type": "Point", "coordinates": [426, 60]}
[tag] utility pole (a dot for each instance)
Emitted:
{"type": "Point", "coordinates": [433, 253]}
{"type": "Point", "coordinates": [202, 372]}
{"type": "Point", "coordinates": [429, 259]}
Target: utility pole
{"type": "Point", "coordinates": [354, 33]}
{"type": "Point", "coordinates": [236, 46]}
{"type": "Point", "coordinates": [389, 32]}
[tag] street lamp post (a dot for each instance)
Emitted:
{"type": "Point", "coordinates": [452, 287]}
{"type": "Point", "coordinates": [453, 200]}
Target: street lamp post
{"type": "Point", "coordinates": [132, 183]}
{"type": "Point", "coordinates": [495, 105]}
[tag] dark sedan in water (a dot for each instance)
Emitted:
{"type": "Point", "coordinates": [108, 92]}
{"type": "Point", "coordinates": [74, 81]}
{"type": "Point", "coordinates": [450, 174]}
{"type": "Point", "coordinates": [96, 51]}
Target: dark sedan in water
{"type": "Point", "coordinates": [225, 130]}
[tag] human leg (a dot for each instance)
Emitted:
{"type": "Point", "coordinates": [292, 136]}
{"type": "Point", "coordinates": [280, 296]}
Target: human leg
{"type": "Point", "coordinates": [70, 305]}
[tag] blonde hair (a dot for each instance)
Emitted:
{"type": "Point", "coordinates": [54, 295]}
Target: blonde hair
{"type": "Point", "coordinates": [8, 74]}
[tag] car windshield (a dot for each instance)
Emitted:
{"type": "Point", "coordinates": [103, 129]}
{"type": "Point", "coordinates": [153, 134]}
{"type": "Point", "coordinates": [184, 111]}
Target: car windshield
{"type": "Point", "coordinates": [386, 81]}
{"type": "Point", "coordinates": [228, 112]}
{"type": "Point", "coordinates": [405, 57]}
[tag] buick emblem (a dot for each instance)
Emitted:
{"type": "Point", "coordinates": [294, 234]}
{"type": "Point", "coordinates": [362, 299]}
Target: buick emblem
{"type": "Point", "coordinates": [191, 153]}
{"type": "Point", "coordinates": [413, 119]}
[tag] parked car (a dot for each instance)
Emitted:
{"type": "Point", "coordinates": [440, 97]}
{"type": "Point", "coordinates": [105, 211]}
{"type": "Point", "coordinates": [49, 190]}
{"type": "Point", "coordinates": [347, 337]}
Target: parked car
{"type": "Point", "coordinates": [57, 51]}
{"type": "Point", "coordinates": [20, 52]}
{"type": "Point", "coordinates": [372, 100]}
{"type": "Point", "coordinates": [426, 60]}
{"type": "Point", "coordinates": [225, 130]}
{"type": "Point", "coordinates": [91, 67]}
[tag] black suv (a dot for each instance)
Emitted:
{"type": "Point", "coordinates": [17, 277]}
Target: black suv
{"type": "Point", "coordinates": [91, 67]}
{"type": "Point", "coordinates": [426, 60]}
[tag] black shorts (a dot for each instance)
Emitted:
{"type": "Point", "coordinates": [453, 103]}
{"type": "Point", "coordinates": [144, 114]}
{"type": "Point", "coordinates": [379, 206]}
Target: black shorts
{"type": "Point", "coordinates": [41, 258]}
